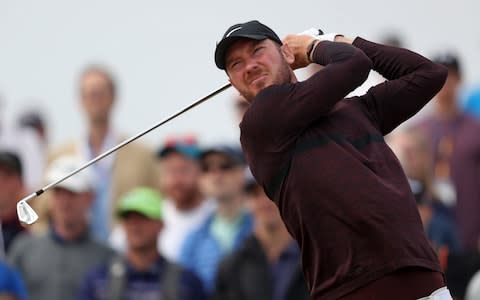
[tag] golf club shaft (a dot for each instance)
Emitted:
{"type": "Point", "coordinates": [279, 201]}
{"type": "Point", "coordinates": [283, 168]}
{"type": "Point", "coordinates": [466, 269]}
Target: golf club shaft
{"type": "Point", "coordinates": [126, 142]}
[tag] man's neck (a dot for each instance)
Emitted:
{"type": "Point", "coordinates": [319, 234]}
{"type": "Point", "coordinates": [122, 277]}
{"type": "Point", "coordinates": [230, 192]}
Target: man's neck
{"type": "Point", "coordinates": [70, 232]}
{"type": "Point", "coordinates": [97, 135]}
{"type": "Point", "coordinates": [273, 240]}
{"type": "Point", "coordinates": [447, 110]}
{"type": "Point", "coordinates": [142, 260]}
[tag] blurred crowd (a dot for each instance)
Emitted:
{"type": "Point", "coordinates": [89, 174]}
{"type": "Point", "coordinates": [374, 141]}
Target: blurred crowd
{"type": "Point", "coordinates": [188, 221]}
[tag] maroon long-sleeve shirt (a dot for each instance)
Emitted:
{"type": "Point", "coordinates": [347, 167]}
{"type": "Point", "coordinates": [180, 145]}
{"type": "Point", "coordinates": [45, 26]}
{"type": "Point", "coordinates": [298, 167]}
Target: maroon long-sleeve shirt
{"type": "Point", "coordinates": [323, 160]}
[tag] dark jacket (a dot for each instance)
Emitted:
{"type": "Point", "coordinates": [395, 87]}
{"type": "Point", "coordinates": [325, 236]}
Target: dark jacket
{"type": "Point", "coordinates": [246, 274]}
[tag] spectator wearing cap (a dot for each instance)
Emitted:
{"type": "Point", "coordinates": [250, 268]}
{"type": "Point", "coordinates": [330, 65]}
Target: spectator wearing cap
{"type": "Point", "coordinates": [53, 264]}
{"type": "Point", "coordinates": [116, 174]}
{"type": "Point", "coordinates": [185, 207]}
{"type": "Point", "coordinates": [223, 179]}
{"type": "Point", "coordinates": [11, 284]}
{"type": "Point", "coordinates": [267, 265]}
{"type": "Point", "coordinates": [455, 145]}
{"type": "Point", "coordinates": [142, 273]}
{"type": "Point", "coordinates": [12, 189]}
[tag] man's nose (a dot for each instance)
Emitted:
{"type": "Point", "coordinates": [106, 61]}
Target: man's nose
{"type": "Point", "coordinates": [251, 65]}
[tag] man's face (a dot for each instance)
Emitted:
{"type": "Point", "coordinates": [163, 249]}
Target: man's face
{"type": "Point", "coordinates": [70, 208]}
{"type": "Point", "coordinates": [142, 232]}
{"type": "Point", "coordinates": [97, 97]}
{"type": "Point", "coordinates": [221, 178]}
{"type": "Point", "coordinates": [10, 186]}
{"type": "Point", "coordinates": [448, 93]}
{"type": "Point", "coordinates": [179, 178]}
{"type": "Point", "coordinates": [254, 65]}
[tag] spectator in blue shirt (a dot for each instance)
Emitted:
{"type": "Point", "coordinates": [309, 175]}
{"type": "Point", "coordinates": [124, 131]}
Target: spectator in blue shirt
{"type": "Point", "coordinates": [143, 273]}
{"type": "Point", "coordinates": [11, 284]}
{"type": "Point", "coordinates": [223, 179]}
{"type": "Point", "coordinates": [267, 266]}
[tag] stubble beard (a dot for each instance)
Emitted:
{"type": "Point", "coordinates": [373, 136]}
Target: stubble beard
{"type": "Point", "coordinates": [284, 75]}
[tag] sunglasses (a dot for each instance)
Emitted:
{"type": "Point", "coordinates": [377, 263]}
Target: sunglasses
{"type": "Point", "coordinates": [226, 166]}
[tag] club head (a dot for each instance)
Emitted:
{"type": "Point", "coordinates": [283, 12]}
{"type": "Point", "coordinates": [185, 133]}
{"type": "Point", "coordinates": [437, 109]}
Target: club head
{"type": "Point", "coordinates": [25, 213]}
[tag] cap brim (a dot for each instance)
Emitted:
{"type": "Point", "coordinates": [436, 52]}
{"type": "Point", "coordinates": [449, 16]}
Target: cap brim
{"type": "Point", "coordinates": [224, 45]}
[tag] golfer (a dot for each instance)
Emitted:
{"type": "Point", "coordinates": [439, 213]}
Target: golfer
{"type": "Point", "coordinates": [323, 159]}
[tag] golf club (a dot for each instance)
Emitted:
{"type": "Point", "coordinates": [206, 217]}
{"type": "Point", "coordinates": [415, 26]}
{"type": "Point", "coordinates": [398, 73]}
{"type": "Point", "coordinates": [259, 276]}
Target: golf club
{"type": "Point", "coordinates": [25, 212]}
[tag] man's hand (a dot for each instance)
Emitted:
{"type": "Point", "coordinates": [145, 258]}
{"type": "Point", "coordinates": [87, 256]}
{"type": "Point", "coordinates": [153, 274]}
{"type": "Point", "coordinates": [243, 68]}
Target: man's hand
{"type": "Point", "coordinates": [298, 44]}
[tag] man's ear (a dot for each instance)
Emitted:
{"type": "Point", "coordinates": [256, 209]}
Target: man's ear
{"type": "Point", "coordinates": [287, 54]}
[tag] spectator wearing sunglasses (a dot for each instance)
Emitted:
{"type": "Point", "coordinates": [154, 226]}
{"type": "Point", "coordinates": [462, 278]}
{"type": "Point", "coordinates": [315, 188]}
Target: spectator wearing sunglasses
{"type": "Point", "coordinates": [223, 179]}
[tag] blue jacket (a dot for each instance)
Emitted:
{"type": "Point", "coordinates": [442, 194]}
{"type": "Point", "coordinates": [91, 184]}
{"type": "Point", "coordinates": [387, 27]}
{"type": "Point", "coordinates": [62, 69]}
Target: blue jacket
{"type": "Point", "coordinates": [11, 283]}
{"type": "Point", "coordinates": [202, 253]}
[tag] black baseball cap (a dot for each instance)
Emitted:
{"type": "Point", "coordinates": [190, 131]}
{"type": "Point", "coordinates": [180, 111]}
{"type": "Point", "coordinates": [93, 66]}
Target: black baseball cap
{"type": "Point", "coordinates": [233, 153]}
{"type": "Point", "coordinates": [11, 161]}
{"type": "Point", "coordinates": [251, 30]}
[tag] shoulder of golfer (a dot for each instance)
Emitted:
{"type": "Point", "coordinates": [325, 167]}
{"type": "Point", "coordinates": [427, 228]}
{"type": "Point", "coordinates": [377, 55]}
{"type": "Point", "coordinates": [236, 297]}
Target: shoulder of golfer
{"type": "Point", "coordinates": [283, 111]}
{"type": "Point", "coordinates": [412, 80]}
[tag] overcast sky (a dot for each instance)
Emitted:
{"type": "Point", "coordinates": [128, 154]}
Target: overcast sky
{"type": "Point", "coordinates": [162, 52]}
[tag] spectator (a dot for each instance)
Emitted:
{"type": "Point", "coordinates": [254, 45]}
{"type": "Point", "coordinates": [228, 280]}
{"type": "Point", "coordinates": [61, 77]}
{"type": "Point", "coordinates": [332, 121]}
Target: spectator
{"type": "Point", "coordinates": [12, 190]}
{"type": "Point", "coordinates": [267, 265]}
{"type": "Point", "coordinates": [53, 264]}
{"type": "Point", "coordinates": [11, 284]}
{"type": "Point", "coordinates": [455, 145]}
{"type": "Point", "coordinates": [114, 175]}
{"type": "Point", "coordinates": [223, 179]}
{"type": "Point", "coordinates": [185, 207]}
{"type": "Point", "coordinates": [143, 273]}
{"type": "Point", "coordinates": [26, 144]}
{"type": "Point", "coordinates": [413, 151]}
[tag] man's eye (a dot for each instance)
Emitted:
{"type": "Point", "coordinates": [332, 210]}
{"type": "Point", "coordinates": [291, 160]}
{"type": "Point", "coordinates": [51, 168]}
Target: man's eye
{"type": "Point", "coordinates": [257, 49]}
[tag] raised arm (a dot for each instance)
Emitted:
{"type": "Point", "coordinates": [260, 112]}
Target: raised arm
{"type": "Point", "coordinates": [412, 81]}
{"type": "Point", "coordinates": [285, 110]}
{"type": "Point", "coordinates": [345, 69]}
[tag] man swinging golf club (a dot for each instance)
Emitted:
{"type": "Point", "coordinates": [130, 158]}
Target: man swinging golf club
{"type": "Point", "coordinates": [323, 160]}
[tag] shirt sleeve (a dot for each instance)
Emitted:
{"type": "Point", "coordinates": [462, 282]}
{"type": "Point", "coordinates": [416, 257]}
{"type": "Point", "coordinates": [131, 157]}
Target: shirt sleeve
{"type": "Point", "coordinates": [412, 80]}
{"type": "Point", "coordinates": [287, 109]}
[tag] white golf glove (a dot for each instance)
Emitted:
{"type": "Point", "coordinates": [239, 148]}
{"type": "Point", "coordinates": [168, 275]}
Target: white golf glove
{"type": "Point", "coordinates": [319, 35]}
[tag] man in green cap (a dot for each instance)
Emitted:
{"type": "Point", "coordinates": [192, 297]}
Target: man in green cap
{"type": "Point", "coordinates": [142, 273]}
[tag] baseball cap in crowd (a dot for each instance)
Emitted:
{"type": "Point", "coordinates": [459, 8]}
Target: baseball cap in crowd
{"type": "Point", "coordinates": [233, 154]}
{"type": "Point", "coordinates": [11, 161]}
{"type": "Point", "coordinates": [448, 59]}
{"type": "Point", "coordinates": [142, 200]}
{"type": "Point", "coordinates": [186, 146]}
{"type": "Point", "coordinates": [64, 165]}
{"type": "Point", "coordinates": [251, 30]}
